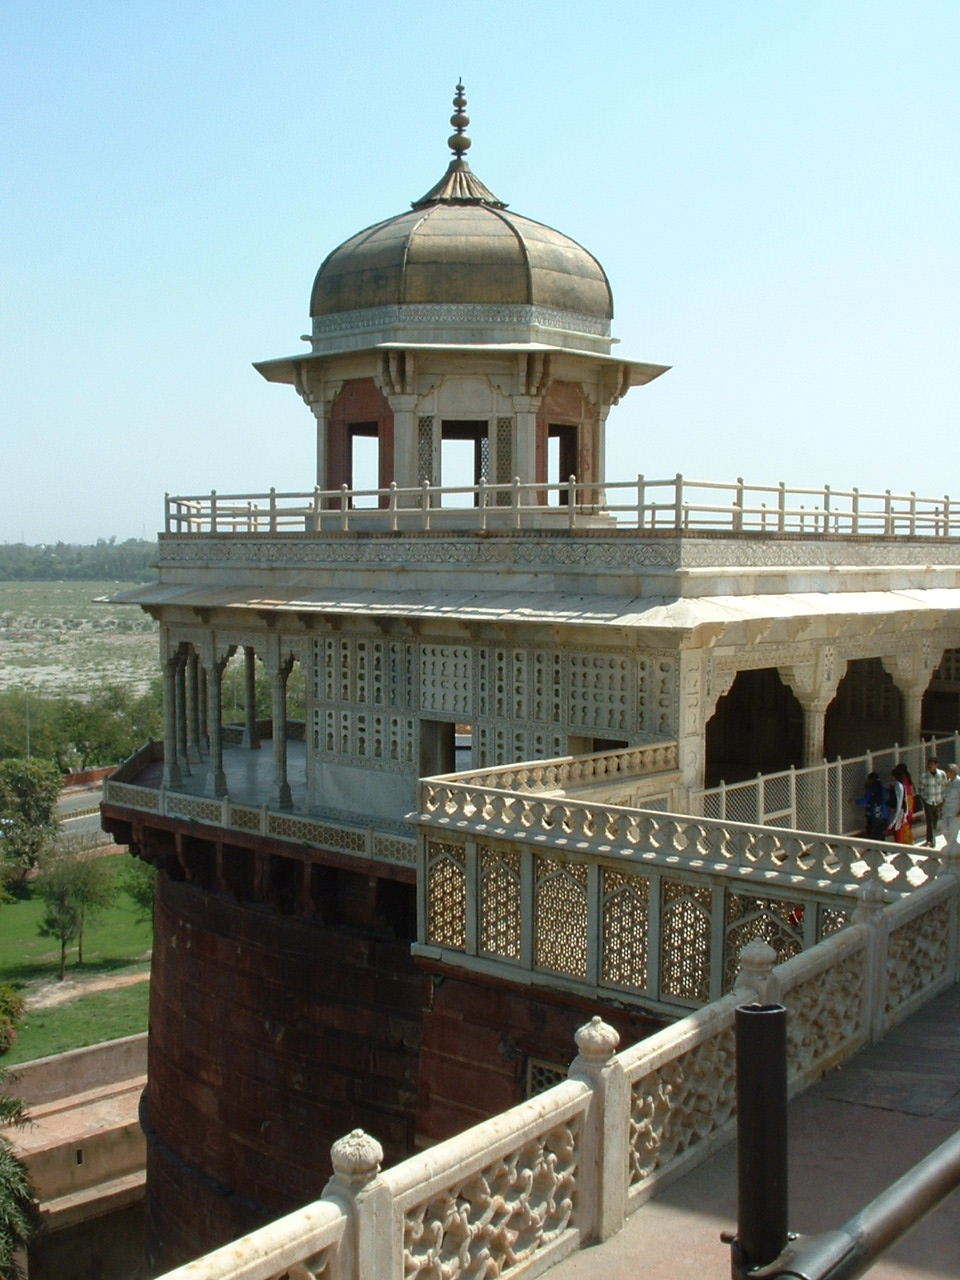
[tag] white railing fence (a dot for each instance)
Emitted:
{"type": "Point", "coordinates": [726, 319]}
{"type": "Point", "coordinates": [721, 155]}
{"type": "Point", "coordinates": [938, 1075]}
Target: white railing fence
{"type": "Point", "coordinates": [514, 1194]}
{"type": "Point", "coordinates": [820, 797]}
{"type": "Point", "coordinates": [677, 503]}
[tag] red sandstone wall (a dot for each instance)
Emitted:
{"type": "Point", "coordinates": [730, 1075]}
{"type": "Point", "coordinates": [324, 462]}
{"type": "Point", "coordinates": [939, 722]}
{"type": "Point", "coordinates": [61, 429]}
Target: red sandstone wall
{"type": "Point", "coordinates": [271, 1036]}
{"type": "Point", "coordinates": [478, 1038]}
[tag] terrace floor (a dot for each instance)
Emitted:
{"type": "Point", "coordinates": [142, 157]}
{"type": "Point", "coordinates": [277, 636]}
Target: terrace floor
{"type": "Point", "coordinates": [851, 1135]}
{"type": "Point", "coordinates": [249, 774]}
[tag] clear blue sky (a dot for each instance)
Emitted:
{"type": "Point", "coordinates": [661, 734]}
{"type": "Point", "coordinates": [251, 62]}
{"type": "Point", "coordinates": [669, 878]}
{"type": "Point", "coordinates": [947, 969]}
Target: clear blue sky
{"type": "Point", "coordinates": [771, 186]}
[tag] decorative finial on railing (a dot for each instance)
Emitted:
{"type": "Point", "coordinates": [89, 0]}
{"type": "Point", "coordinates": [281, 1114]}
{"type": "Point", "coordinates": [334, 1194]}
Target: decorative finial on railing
{"type": "Point", "coordinates": [459, 142]}
{"type": "Point", "coordinates": [597, 1040]}
{"type": "Point", "coordinates": [356, 1159]}
{"type": "Point", "coordinates": [756, 974]}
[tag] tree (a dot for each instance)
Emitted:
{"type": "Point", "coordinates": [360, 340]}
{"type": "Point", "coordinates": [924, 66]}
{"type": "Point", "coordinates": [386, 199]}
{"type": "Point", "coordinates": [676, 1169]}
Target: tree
{"type": "Point", "coordinates": [29, 791]}
{"type": "Point", "coordinates": [138, 880]}
{"type": "Point", "coordinates": [74, 888]}
{"type": "Point", "coordinates": [19, 1218]}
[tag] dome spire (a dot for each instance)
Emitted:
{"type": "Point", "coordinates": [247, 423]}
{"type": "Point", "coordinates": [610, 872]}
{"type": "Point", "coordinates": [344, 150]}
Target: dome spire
{"type": "Point", "coordinates": [459, 142]}
{"type": "Point", "coordinates": [459, 185]}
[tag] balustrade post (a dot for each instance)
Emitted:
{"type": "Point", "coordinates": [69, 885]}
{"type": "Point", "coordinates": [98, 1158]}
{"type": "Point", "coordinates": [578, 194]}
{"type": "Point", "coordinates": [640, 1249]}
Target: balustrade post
{"type": "Point", "coordinates": [425, 503]}
{"type": "Point", "coordinates": [738, 506]}
{"type": "Point", "coordinates": [946, 515]}
{"type": "Point", "coordinates": [641, 500]}
{"type": "Point", "coordinates": [723, 801]}
{"type": "Point", "coordinates": [888, 512]}
{"type": "Point", "coordinates": [167, 520]}
{"type": "Point", "coordinates": [855, 511]}
{"type": "Point", "coordinates": [869, 912]}
{"type": "Point", "coordinates": [793, 798]}
{"type": "Point", "coordinates": [369, 1246]}
{"type": "Point", "coordinates": [515, 500]}
{"type": "Point", "coordinates": [913, 512]}
{"type": "Point", "coordinates": [482, 501]}
{"type": "Point", "coordinates": [781, 507]}
{"type": "Point", "coordinates": [273, 510]}
{"type": "Point", "coordinates": [755, 978]}
{"type": "Point", "coordinates": [392, 506]}
{"type": "Point", "coordinates": [826, 508]}
{"type": "Point", "coordinates": [572, 501]}
{"type": "Point", "coordinates": [678, 501]}
{"type": "Point", "coordinates": [602, 1168]}
{"type": "Point", "coordinates": [344, 518]}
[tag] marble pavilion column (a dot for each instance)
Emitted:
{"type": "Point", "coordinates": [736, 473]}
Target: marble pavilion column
{"type": "Point", "coordinates": [251, 734]}
{"type": "Point", "coordinates": [193, 704]}
{"type": "Point", "coordinates": [216, 783]}
{"type": "Point", "coordinates": [171, 763]}
{"type": "Point", "coordinates": [180, 694]}
{"type": "Point", "coordinates": [280, 796]}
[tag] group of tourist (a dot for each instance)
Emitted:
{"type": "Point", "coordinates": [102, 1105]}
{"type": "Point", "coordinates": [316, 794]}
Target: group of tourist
{"type": "Point", "coordinates": [891, 811]}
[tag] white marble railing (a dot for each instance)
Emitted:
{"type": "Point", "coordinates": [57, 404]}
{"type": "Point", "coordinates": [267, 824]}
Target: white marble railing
{"type": "Point", "coordinates": [514, 1194]}
{"type": "Point", "coordinates": [572, 772]}
{"type": "Point", "coordinates": [678, 503]}
{"type": "Point", "coordinates": [365, 842]}
{"type": "Point", "coordinates": [628, 904]}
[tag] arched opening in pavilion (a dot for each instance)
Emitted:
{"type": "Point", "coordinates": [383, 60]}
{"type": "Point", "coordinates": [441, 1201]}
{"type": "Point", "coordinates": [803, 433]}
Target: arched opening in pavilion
{"type": "Point", "coordinates": [867, 712]}
{"type": "Point", "coordinates": [756, 728]}
{"type": "Point", "coordinates": [941, 703]}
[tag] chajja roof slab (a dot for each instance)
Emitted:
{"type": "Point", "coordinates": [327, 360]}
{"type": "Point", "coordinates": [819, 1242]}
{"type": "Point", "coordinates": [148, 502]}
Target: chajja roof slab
{"type": "Point", "coordinates": [636, 613]}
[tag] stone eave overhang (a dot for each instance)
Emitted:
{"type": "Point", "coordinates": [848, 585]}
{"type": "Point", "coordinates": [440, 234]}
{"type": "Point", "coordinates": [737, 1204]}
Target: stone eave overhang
{"type": "Point", "coordinates": [706, 619]}
{"type": "Point", "coordinates": [289, 369]}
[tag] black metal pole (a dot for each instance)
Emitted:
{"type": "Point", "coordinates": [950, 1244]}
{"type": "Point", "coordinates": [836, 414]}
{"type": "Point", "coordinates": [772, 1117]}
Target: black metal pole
{"type": "Point", "coordinates": [761, 1032]}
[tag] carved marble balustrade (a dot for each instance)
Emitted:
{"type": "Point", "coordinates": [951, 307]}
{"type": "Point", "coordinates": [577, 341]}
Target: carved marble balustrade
{"type": "Point", "coordinates": [518, 1192]}
{"type": "Point", "coordinates": [626, 903]}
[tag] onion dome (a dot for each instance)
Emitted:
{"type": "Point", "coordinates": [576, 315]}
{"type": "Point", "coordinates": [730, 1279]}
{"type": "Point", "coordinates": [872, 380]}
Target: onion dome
{"type": "Point", "coordinates": [460, 267]}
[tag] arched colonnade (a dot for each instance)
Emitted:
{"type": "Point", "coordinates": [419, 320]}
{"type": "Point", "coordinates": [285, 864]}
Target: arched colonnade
{"type": "Point", "coordinates": [769, 718]}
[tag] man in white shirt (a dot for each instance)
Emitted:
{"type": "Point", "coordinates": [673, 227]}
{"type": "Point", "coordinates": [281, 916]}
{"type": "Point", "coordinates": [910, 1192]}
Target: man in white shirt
{"type": "Point", "coordinates": [950, 814]}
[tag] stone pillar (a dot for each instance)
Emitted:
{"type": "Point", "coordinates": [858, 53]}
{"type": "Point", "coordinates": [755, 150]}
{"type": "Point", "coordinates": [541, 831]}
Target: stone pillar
{"type": "Point", "coordinates": [912, 711]}
{"type": "Point", "coordinates": [202, 706]}
{"type": "Point", "coordinates": [280, 796]}
{"type": "Point", "coordinates": [193, 703]}
{"type": "Point", "coordinates": [602, 1173]}
{"type": "Point", "coordinates": [180, 693]}
{"type": "Point", "coordinates": [216, 784]}
{"type": "Point", "coordinates": [814, 719]}
{"type": "Point", "coordinates": [405, 444]}
{"type": "Point", "coordinates": [251, 735]}
{"type": "Point", "coordinates": [171, 761]}
{"type": "Point", "coordinates": [525, 438]}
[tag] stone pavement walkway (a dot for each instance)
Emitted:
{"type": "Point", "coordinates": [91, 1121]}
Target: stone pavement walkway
{"type": "Point", "coordinates": [851, 1135]}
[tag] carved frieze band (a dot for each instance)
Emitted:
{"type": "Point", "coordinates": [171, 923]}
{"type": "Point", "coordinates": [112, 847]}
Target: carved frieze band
{"type": "Point", "coordinates": [461, 313]}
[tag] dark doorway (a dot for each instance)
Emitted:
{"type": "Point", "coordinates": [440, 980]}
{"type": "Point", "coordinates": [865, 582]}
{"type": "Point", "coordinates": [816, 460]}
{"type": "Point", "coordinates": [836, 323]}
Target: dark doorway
{"type": "Point", "coordinates": [866, 714]}
{"type": "Point", "coordinates": [756, 728]}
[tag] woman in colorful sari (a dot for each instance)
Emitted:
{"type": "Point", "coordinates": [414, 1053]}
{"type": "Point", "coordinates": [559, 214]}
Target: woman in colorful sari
{"type": "Point", "coordinates": [901, 806]}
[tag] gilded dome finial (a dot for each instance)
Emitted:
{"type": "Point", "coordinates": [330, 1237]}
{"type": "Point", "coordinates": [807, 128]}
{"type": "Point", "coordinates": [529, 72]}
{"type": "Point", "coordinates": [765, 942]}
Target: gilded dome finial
{"type": "Point", "coordinates": [458, 185]}
{"type": "Point", "coordinates": [459, 142]}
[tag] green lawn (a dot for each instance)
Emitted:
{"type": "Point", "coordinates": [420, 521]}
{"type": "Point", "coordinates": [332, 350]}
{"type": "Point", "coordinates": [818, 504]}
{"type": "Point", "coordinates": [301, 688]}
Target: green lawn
{"type": "Point", "coordinates": [116, 944]}
{"type": "Point", "coordinates": [105, 1015]}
